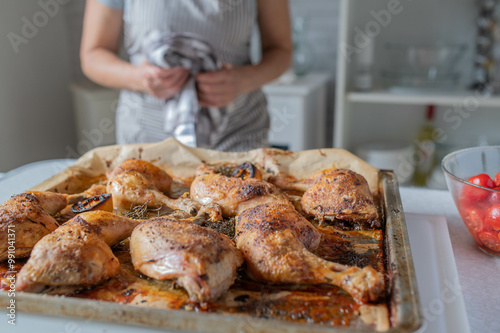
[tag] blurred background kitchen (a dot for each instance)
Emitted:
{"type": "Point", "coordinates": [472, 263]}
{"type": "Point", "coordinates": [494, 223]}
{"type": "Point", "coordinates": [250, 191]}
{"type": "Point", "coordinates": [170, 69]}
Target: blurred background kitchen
{"type": "Point", "coordinates": [398, 82]}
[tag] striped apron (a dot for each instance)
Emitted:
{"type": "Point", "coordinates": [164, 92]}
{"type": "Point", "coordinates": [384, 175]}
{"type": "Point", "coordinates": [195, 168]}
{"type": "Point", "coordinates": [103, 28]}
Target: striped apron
{"type": "Point", "coordinates": [227, 25]}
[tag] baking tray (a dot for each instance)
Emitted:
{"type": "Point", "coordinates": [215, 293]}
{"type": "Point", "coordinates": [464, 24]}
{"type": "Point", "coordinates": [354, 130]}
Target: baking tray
{"type": "Point", "coordinates": [404, 303]}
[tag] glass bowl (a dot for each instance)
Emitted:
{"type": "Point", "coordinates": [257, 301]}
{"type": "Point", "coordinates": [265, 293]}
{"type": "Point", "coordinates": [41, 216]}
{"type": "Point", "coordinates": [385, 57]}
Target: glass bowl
{"type": "Point", "coordinates": [478, 206]}
{"type": "Point", "coordinates": [420, 81]}
{"type": "Point", "coordinates": [423, 65]}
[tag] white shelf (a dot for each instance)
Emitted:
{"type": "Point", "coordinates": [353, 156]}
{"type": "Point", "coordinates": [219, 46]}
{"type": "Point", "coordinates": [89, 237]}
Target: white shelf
{"type": "Point", "coordinates": [423, 98]}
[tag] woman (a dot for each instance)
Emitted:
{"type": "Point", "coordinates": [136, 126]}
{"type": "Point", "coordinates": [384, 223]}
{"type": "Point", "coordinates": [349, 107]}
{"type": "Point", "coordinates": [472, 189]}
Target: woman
{"type": "Point", "coordinates": [225, 24]}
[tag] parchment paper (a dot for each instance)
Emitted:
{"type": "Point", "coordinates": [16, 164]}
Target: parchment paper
{"type": "Point", "coordinates": [181, 162]}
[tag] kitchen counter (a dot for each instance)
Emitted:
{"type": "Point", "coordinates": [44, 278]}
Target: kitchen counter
{"type": "Point", "coordinates": [479, 273]}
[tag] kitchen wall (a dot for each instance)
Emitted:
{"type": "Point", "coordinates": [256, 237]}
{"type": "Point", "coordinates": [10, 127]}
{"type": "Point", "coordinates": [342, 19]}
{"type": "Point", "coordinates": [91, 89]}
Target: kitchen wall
{"type": "Point", "coordinates": [321, 17]}
{"type": "Point", "coordinates": [36, 119]}
{"type": "Point", "coordinates": [74, 12]}
{"type": "Point", "coordinates": [322, 30]}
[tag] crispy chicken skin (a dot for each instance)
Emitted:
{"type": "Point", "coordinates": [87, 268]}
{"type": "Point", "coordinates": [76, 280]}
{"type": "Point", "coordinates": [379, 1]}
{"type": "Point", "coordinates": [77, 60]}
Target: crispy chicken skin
{"type": "Point", "coordinates": [233, 194]}
{"type": "Point", "coordinates": [340, 194]}
{"type": "Point", "coordinates": [132, 188]}
{"type": "Point", "coordinates": [159, 178]}
{"type": "Point", "coordinates": [276, 242]}
{"type": "Point", "coordinates": [201, 260]}
{"type": "Point", "coordinates": [29, 215]}
{"type": "Point", "coordinates": [288, 182]}
{"type": "Point", "coordinates": [77, 253]}
{"type": "Point", "coordinates": [95, 189]}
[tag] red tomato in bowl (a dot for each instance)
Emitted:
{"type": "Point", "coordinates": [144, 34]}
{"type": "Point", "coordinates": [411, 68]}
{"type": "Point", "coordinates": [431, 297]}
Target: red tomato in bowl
{"type": "Point", "coordinates": [493, 217]}
{"type": "Point", "coordinates": [497, 179]}
{"type": "Point", "coordinates": [473, 194]}
{"type": "Point", "coordinates": [495, 196]}
{"type": "Point", "coordinates": [482, 180]}
{"type": "Point", "coordinates": [490, 240]}
{"type": "Point", "coordinates": [474, 219]}
{"type": "Point", "coordinates": [478, 194]}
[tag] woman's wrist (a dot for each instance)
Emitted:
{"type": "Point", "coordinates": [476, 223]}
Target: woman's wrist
{"type": "Point", "coordinates": [136, 74]}
{"type": "Point", "coordinates": [248, 77]}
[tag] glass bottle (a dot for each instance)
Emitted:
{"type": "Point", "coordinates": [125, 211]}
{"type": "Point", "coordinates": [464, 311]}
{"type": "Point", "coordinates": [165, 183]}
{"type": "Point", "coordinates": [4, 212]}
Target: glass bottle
{"type": "Point", "coordinates": [425, 149]}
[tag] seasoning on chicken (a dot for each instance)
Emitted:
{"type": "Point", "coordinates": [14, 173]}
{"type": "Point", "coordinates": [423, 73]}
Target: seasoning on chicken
{"type": "Point", "coordinates": [276, 242]}
{"type": "Point", "coordinates": [76, 254]}
{"type": "Point", "coordinates": [340, 194]}
{"type": "Point", "coordinates": [29, 215]}
{"type": "Point", "coordinates": [131, 188]}
{"type": "Point", "coordinates": [158, 177]}
{"type": "Point", "coordinates": [201, 260]}
{"type": "Point", "coordinates": [233, 194]}
{"type": "Point", "coordinates": [290, 183]}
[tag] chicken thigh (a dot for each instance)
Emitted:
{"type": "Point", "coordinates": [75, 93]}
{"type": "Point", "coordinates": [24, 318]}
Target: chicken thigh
{"type": "Point", "coordinates": [234, 194]}
{"type": "Point", "coordinates": [276, 242]}
{"type": "Point", "coordinates": [340, 194]}
{"type": "Point", "coordinates": [77, 253]}
{"type": "Point", "coordinates": [290, 183]}
{"type": "Point", "coordinates": [27, 217]}
{"type": "Point", "coordinates": [159, 178]}
{"type": "Point", "coordinates": [132, 188]}
{"type": "Point", "coordinates": [201, 260]}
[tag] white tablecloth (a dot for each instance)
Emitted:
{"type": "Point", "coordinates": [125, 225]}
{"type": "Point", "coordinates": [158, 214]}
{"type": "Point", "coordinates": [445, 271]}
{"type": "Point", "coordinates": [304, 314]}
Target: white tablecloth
{"type": "Point", "coordinates": [479, 273]}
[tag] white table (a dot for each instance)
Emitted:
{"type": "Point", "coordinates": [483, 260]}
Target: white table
{"type": "Point", "coordinates": [479, 274]}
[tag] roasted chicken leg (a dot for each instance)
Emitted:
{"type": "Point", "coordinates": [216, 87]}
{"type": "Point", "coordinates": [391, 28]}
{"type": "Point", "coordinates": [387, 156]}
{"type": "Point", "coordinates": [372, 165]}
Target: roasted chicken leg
{"type": "Point", "coordinates": [201, 260]}
{"type": "Point", "coordinates": [77, 253]}
{"type": "Point", "coordinates": [27, 217]}
{"type": "Point", "coordinates": [159, 178]}
{"type": "Point", "coordinates": [132, 188]}
{"type": "Point", "coordinates": [340, 194]}
{"type": "Point", "coordinates": [290, 183]}
{"type": "Point", "coordinates": [234, 194]}
{"type": "Point", "coordinates": [276, 242]}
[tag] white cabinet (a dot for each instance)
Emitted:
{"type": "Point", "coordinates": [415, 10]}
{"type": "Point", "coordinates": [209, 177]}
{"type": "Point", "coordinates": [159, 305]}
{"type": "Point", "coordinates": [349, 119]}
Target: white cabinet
{"type": "Point", "coordinates": [298, 112]}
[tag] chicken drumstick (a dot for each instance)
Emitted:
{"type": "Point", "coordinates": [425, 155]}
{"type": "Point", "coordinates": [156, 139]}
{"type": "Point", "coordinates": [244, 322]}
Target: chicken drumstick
{"type": "Point", "coordinates": [233, 194]}
{"type": "Point", "coordinates": [132, 188]}
{"type": "Point", "coordinates": [159, 178]}
{"type": "Point", "coordinates": [202, 261]}
{"type": "Point", "coordinates": [276, 242]}
{"type": "Point", "coordinates": [27, 218]}
{"type": "Point", "coordinates": [76, 254]}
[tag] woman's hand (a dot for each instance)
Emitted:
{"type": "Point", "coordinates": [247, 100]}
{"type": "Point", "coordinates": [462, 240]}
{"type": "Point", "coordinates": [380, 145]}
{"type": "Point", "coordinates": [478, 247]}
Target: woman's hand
{"type": "Point", "coordinates": [162, 82]}
{"type": "Point", "coordinates": [219, 88]}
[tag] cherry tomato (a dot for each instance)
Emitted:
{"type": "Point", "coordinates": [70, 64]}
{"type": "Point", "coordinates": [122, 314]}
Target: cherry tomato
{"type": "Point", "coordinates": [474, 194]}
{"type": "Point", "coordinates": [482, 180]}
{"type": "Point", "coordinates": [490, 240]}
{"type": "Point", "coordinates": [493, 217]}
{"type": "Point", "coordinates": [497, 179]}
{"type": "Point", "coordinates": [495, 196]}
{"type": "Point", "coordinates": [474, 219]}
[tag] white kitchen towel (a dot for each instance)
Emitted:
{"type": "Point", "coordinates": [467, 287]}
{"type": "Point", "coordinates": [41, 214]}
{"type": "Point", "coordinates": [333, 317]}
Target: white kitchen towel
{"type": "Point", "coordinates": [184, 118]}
